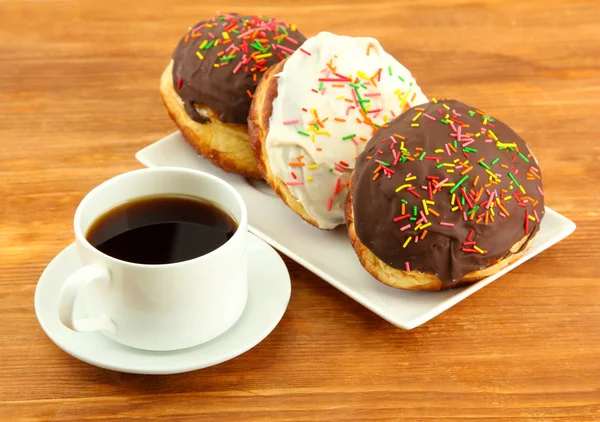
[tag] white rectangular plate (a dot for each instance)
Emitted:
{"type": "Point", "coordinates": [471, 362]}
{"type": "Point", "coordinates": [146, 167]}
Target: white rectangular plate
{"type": "Point", "coordinates": [329, 253]}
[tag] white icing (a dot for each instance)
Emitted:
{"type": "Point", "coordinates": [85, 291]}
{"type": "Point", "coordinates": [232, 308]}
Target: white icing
{"type": "Point", "coordinates": [351, 57]}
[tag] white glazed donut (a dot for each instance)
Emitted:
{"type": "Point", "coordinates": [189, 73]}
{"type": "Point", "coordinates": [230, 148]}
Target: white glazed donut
{"type": "Point", "coordinates": [331, 97]}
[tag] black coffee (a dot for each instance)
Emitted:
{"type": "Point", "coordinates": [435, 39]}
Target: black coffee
{"type": "Point", "coordinates": [161, 229]}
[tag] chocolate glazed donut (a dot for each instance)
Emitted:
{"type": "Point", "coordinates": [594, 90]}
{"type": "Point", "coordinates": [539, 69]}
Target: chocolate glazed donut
{"type": "Point", "coordinates": [444, 193]}
{"type": "Point", "coordinates": [208, 86]}
{"type": "Point", "coordinates": [220, 61]}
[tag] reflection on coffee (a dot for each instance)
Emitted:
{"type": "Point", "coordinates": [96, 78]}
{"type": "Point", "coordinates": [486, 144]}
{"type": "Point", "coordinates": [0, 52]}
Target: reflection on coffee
{"type": "Point", "coordinates": [161, 229]}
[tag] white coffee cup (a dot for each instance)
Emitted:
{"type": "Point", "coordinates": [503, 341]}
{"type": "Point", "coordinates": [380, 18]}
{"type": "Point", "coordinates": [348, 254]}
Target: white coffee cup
{"type": "Point", "coordinates": [158, 307]}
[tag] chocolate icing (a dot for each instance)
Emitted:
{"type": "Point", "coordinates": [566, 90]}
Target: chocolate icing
{"type": "Point", "coordinates": [442, 251]}
{"type": "Point", "coordinates": [225, 89]}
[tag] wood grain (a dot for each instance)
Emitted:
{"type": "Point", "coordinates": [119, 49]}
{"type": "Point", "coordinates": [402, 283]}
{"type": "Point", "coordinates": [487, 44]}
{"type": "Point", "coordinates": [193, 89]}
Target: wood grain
{"type": "Point", "coordinates": [79, 96]}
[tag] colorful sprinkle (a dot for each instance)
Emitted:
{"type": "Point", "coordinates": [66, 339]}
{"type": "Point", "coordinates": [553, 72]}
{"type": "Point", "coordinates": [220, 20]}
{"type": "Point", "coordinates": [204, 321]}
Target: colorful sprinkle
{"type": "Point", "coordinates": [478, 249]}
{"type": "Point", "coordinates": [399, 188]}
{"type": "Point", "coordinates": [460, 182]}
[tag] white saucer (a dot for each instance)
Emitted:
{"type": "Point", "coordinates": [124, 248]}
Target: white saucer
{"type": "Point", "coordinates": [269, 291]}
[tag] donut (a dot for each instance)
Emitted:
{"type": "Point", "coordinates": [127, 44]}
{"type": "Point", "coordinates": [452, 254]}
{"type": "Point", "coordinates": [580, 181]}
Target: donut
{"type": "Point", "coordinates": [208, 86]}
{"type": "Point", "coordinates": [445, 195]}
{"type": "Point", "coordinates": [313, 114]}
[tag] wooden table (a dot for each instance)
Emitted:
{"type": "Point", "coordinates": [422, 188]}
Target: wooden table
{"type": "Point", "coordinates": [78, 94]}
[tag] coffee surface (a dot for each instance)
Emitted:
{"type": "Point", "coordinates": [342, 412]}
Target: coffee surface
{"type": "Point", "coordinates": [161, 229]}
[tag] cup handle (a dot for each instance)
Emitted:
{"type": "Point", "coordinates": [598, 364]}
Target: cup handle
{"type": "Point", "coordinates": [69, 293]}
